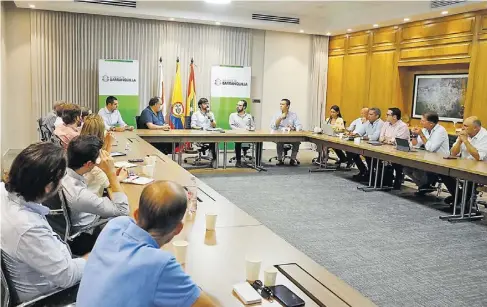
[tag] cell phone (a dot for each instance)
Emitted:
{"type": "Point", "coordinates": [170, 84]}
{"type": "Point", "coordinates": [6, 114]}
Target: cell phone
{"type": "Point", "coordinates": [450, 157]}
{"type": "Point", "coordinates": [136, 160]}
{"type": "Point", "coordinates": [117, 154]}
{"type": "Point", "coordinates": [286, 297]}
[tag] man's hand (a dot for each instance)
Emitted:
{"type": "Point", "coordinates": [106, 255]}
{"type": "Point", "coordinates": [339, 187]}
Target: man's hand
{"type": "Point", "coordinates": [166, 127]}
{"type": "Point", "coordinates": [122, 174]}
{"type": "Point", "coordinates": [462, 136]}
{"type": "Point", "coordinates": [416, 130]}
{"type": "Point", "coordinates": [85, 257]}
{"type": "Point", "coordinates": [107, 164]}
{"type": "Point", "coordinates": [119, 129]}
{"type": "Point", "coordinates": [129, 128]}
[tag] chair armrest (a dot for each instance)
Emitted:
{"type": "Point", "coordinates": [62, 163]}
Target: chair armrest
{"type": "Point", "coordinates": [88, 228]}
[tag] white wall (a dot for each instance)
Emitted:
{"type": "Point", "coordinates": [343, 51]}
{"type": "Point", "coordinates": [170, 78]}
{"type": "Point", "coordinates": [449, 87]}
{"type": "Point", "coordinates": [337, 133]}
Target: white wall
{"type": "Point", "coordinates": [18, 127]}
{"type": "Point", "coordinates": [286, 75]}
{"type": "Point", "coordinates": [257, 85]}
{"type": "Point", "coordinates": [3, 84]}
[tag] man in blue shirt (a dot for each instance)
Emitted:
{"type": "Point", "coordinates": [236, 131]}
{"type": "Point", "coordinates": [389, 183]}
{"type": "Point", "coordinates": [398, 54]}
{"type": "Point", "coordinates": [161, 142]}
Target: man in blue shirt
{"type": "Point", "coordinates": [153, 118]}
{"type": "Point", "coordinates": [127, 266]}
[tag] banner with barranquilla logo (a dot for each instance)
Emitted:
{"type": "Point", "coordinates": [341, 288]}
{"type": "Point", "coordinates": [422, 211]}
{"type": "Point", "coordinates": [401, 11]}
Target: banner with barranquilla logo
{"type": "Point", "coordinates": [120, 78]}
{"type": "Point", "coordinates": [229, 84]}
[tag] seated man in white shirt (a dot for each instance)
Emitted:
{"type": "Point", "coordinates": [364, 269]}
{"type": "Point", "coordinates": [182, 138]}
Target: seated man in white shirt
{"type": "Point", "coordinates": [357, 123]}
{"type": "Point", "coordinates": [36, 259]}
{"type": "Point", "coordinates": [241, 120]}
{"type": "Point", "coordinates": [87, 207]}
{"type": "Point", "coordinates": [286, 119]}
{"type": "Point", "coordinates": [471, 144]}
{"type": "Point", "coordinates": [434, 138]}
{"type": "Point", "coordinates": [112, 117]}
{"type": "Point", "coordinates": [203, 119]}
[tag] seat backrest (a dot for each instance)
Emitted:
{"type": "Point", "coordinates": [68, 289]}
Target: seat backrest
{"type": "Point", "coordinates": [137, 123]}
{"type": "Point", "coordinates": [452, 139]}
{"type": "Point", "coordinates": [60, 223]}
{"type": "Point", "coordinates": [9, 295]}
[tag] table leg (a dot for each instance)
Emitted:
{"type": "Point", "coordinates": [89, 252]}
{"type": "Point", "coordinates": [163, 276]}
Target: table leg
{"type": "Point", "coordinates": [462, 217]}
{"type": "Point", "coordinates": [381, 187]}
{"type": "Point", "coordinates": [323, 167]}
{"type": "Point", "coordinates": [224, 155]}
{"type": "Point", "coordinates": [217, 150]}
{"type": "Point", "coordinates": [180, 153]}
{"type": "Point", "coordinates": [174, 151]}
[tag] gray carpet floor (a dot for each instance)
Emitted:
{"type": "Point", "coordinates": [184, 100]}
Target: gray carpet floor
{"type": "Point", "coordinates": [391, 248]}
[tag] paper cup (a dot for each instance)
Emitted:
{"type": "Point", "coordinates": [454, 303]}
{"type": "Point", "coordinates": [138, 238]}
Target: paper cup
{"type": "Point", "coordinates": [148, 170]}
{"type": "Point", "coordinates": [180, 249]}
{"type": "Point", "coordinates": [211, 221]}
{"type": "Point", "coordinates": [356, 141]}
{"type": "Point", "coordinates": [150, 160]}
{"type": "Point", "coordinates": [270, 275]}
{"type": "Point", "coordinates": [252, 267]}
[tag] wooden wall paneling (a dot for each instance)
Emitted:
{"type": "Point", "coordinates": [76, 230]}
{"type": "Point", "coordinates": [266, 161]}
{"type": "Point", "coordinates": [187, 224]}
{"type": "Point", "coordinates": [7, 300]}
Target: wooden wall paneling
{"type": "Point", "coordinates": [382, 79]}
{"type": "Point", "coordinates": [440, 27]}
{"type": "Point", "coordinates": [354, 85]}
{"type": "Point", "coordinates": [335, 81]}
{"type": "Point", "coordinates": [442, 52]}
{"type": "Point", "coordinates": [337, 45]}
{"type": "Point", "coordinates": [478, 102]}
{"type": "Point", "coordinates": [473, 68]}
{"type": "Point", "coordinates": [358, 42]}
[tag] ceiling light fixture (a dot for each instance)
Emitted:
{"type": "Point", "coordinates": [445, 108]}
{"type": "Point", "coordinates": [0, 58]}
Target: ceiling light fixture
{"type": "Point", "coordinates": [349, 30]}
{"type": "Point", "coordinates": [32, 6]}
{"type": "Point", "coordinates": [218, 23]}
{"type": "Point", "coordinates": [218, 1]}
{"type": "Point", "coordinates": [171, 19]}
{"type": "Point", "coordinates": [396, 27]}
{"type": "Point", "coordinates": [375, 25]}
{"type": "Point", "coordinates": [301, 31]}
{"type": "Point", "coordinates": [328, 33]}
{"type": "Point", "coordinates": [406, 19]}
{"type": "Point", "coordinates": [444, 12]}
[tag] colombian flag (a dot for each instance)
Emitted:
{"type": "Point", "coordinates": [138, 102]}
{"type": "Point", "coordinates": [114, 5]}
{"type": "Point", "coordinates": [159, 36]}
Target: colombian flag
{"type": "Point", "coordinates": [177, 107]}
{"type": "Point", "coordinates": [191, 98]}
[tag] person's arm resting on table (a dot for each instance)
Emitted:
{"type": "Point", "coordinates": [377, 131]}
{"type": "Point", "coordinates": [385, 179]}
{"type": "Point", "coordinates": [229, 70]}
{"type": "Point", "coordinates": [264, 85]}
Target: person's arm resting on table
{"type": "Point", "coordinates": [194, 122]}
{"type": "Point", "coordinates": [176, 289]}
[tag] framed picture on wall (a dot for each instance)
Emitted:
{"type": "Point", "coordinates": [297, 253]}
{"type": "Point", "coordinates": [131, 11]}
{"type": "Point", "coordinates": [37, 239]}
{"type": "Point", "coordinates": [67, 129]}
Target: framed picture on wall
{"type": "Point", "coordinates": [443, 94]}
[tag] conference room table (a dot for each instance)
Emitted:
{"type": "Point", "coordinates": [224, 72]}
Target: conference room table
{"type": "Point", "coordinates": [216, 259]}
{"type": "Point", "coordinates": [462, 169]}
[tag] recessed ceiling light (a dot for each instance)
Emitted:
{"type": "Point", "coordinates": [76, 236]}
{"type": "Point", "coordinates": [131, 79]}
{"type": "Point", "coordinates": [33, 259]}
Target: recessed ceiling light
{"type": "Point", "coordinates": [32, 6]}
{"type": "Point", "coordinates": [406, 19]}
{"type": "Point", "coordinates": [171, 19]}
{"type": "Point", "coordinates": [219, 1]}
{"type": "Point", "coordinates": [396, 27]}
{"type": "Point", "coordinates": [301, 31]}
{"type": "Point", "coordinates": [444, 12]}
{"type": "Point", "coordinates": [328, 33]}
{"type": "Point", "coordinates": [375, 25]}
{"type": "Point", "coordinates": [349, 30]}
{"type": "Point", "coordinates": [218, 23]}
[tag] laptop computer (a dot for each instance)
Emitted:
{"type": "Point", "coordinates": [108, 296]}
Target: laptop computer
{"type": "Point", "coordinates": [403, 145]}
{"type": "Point", "coordinates": [328, 130]}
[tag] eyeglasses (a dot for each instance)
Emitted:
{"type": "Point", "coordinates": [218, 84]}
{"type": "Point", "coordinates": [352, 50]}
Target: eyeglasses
{"type": "Point", "coordinates": [389, 114]}
{"type": "Point", "coordinates": [265, 292]}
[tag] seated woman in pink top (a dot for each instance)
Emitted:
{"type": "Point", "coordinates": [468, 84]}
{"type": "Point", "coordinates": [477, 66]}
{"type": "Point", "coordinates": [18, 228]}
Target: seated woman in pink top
{"type": "Point", "coordinates": [71, 122]}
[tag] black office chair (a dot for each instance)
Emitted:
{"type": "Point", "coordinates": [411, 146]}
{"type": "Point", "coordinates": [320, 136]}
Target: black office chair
{"type": "Point", "coordinates": [245, 149]}
{"type": "Point", "coordinates": [202, 149]}
{"type": "Point", "coordinates": [44, 133]}
{"type": "Point", "coordinates": [137, 124]}
{"type": "Point", "coordinates": [57, 298]}
{"type": "Point", "coordinates": [59, 218]}
{"type": "Point", "coordinates": [287, 148]}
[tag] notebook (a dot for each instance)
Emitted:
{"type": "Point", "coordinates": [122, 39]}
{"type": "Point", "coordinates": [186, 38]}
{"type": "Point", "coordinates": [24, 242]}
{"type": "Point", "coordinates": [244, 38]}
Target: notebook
{"type": "Point", "coordinates": [138, 180]}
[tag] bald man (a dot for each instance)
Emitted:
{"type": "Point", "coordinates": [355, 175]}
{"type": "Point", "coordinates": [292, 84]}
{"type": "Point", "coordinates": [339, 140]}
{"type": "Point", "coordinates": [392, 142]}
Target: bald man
{"type": "Point", "coordinates": [356, 124]}
{"type": "Point", "coordinates": [471, 144]}
{"type": "Point", "coordinates": [127, 266]}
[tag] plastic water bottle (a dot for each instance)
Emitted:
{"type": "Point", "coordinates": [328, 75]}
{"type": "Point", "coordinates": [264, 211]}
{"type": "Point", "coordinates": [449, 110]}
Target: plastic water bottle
{"type": "Point", "coordinates": [193, 195]}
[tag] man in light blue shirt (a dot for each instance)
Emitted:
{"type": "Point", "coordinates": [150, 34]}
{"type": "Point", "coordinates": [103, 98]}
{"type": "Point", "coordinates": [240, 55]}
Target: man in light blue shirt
{"type": "Point", "coordinates": [37, 261]}
{"type": "Point", "coordinates": [369, 131]}
{"type": "Point", "coordinates": [112, 117]}
{"type": "Point", "coordinates": [283, 120]}
{"type": "Point", "coordinates": [359, 122]}
{"type": "Point", "coordinates": [434, 138]}
{"type": "Point", "coordinates": [127, 266]}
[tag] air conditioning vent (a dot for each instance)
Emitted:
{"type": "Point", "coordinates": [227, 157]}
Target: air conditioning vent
{"type": "Point", "coordinates": [122, 3]}
{"type": "Point", "coordinates": [272, 18]}
{"type": "Point", "coordinates": [443, 3]}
